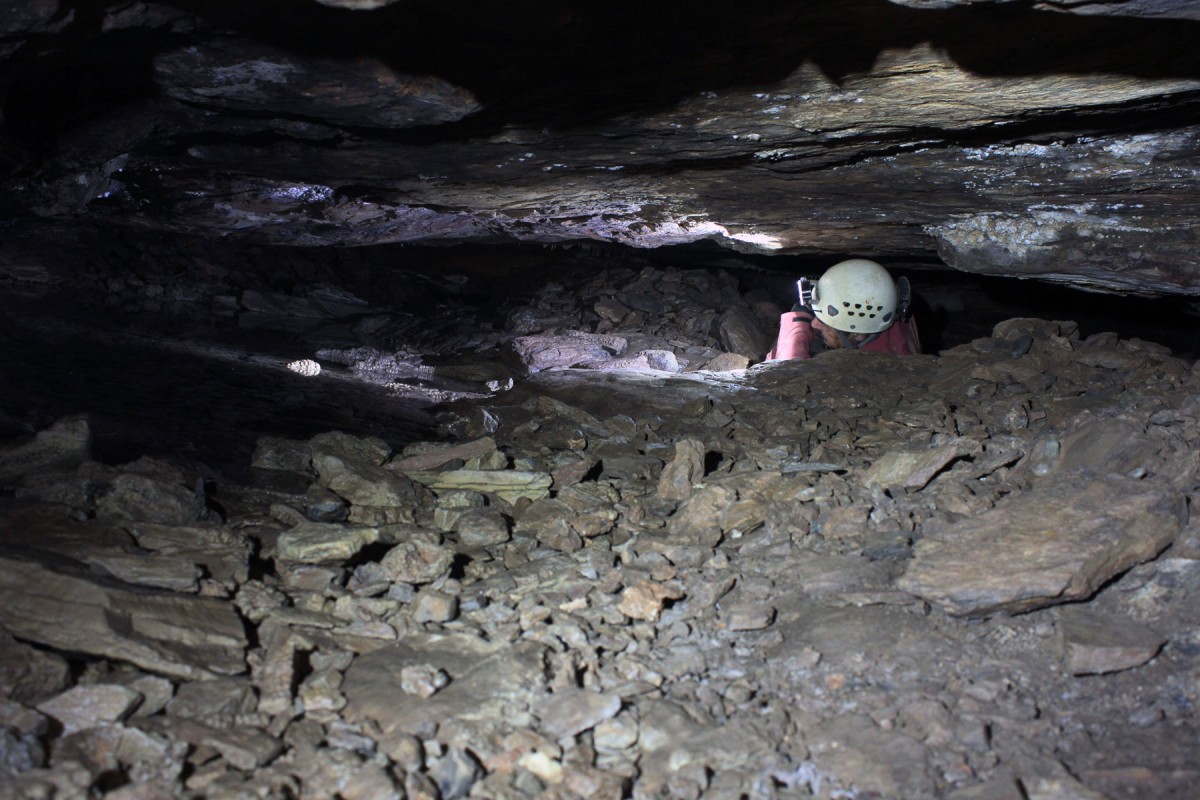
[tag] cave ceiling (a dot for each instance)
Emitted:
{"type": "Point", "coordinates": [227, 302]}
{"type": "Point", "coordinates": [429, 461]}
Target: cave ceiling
{"type": "Point", "coordinates": [1049, 140]}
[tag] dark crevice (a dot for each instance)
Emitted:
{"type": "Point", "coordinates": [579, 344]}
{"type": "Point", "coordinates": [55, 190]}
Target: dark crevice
{"type": "Point", "coordinates": [618, 58]}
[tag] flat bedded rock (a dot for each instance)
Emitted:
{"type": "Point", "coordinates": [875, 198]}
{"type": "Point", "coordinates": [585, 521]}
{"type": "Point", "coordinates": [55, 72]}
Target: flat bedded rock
{"type": "Point", "coordinates": [83, 707]}
{"type": "Point", "coordinates": [65, 444]}
{"type": "Point", "coordinates": [136, 497]}
{"type": "Point", "coordinates": [568, 349]}
{"type": "Point", "coordinates": [1058, 542]}
{"type": "Point", "coordinates": [510, 485]}
{"type": "Point", "coordinates": [487, 682]}
{"type": "Point", "coordinates": [912, 469]}
{"type": "Point", "coordinates": [570, 711]}
{"type": "Point", "coordinates": [362, 483]}
{"type": "Point", "coordinates": [29, 675]}
{"type": "Point", "coordinates": [857, 756]}
{"type": "Point", "coordinates": [63, 607]}
{"type": "Point", "coordinates": [223, 554]}
{"type": "Point", "coordinates": [1095, 643]}
{"type": "Point", "coordinates": [243, 747]}
{"type": "Point", "coordinates": [314, 542]}
{"type": "Point", "coordinates": [684, 471]}
{"type": "Point", "coordinates": [175, 573]}
{"type": "Point", "coordinates": [436, 457]}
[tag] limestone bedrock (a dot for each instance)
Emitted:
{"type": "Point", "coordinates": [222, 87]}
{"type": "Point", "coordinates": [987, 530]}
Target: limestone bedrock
{"type": "Point", "coordinates": [1047, 140]}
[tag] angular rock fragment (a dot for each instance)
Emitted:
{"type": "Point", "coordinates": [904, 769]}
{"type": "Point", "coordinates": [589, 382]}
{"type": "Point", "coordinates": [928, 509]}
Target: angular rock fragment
{"type": "Point", "coordinates": [1097, 643]}
{"type": "Point", "coordinates": [740, 333]}
{"type": "Point", "coordinates": [1056, 543]}
{"type": "Point", "coordinates": [431, 605]}
{"type": "Point", "coordinates": [593, 508]}
{"type": "Point", "coordinates": [182, 636]}
{"type": "Point", "coordinates": [223, 554]}
{"type": "Point", "coordinates": [1052, 781]}
{"type": "Point", "coordinates": [728, 362]}
{"type": "Point", "coordinates": [370, 450]}
{"type": "Point", "coordinates": [29, 675]}
{"type": "Point", "coordinates": [482, 527]}
{"type": "Point", "coordinates": [645, 599]}
{"type": "Point", "coordinates": [150, 762]}
{"type": "Point", "coordinates": [684, 471]}
{"type": "Point", "coordinates": [244, 747]}
{"type": "Point", "coordinates": [322, 505]}
{"type": "Point", "coordinates": [275, 674]}
{"type": "Point", "coordinates": [217, 702]}
{"type": "Point", "coordinates": [510, 485]}
{"type": "Point", "coordinates": [418, 560]}
{"type": "Point", "coordinates": [913, 469]}
{"type": "Point", "coordinates": [163, 572]}
{"type": "Point", "coordinates": [65, 444]}
{"type": "Point", "coordinates": [455, 773]}
{"type": "Point", "coordinates": [646, 361]}
{"type": "Point", "coordinates": [83, 707]}
{"type": "Point", "coordinates": [698, 520]}
{"type": "Point", "coordinates": [844, 523]}
{"type": "Point", "coordinates": [1117, 445]}
{"type": "Point", "coordinates": [320, 694]}
{"type": "Point", "coordinates": [423, 680]}
{"type": "Point", "coordinates": [282, 455]}
{"type": "Point", "coordinates": [487, 681]}
{"type": "Point", "coordinates": [548, 521]}
{"type": "Point", "coordinates": [148, 498]}
{"type": "Point", "coordinates": [568, 349]}
{"type": "Point", "coordinates": [749, 617]}
{"type": "Point", "coordinates": [570, 711]}
{"type": "Point", "coordinates": [366, 485]}
{"type": "Point", "coordinates": [435, 458]}
{"type": "Point", "coordinates": [315, 542]}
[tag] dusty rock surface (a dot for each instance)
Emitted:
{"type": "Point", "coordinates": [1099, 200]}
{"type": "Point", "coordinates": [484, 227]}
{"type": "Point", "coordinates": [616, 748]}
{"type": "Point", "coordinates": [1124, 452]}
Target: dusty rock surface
{"type": "Point", "coordinates": [965, 575]}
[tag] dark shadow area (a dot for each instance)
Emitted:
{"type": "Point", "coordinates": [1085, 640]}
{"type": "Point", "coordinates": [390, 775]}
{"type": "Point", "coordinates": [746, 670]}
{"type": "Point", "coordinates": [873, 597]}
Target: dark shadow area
{"type": "Point", "coordinates": [559, 65]}
{"type": "Point", "coordinates": [190, 388]}
{"type": "Point", "coordinates": [59, 82]}
{"type": "Point", "coordinates": [182, 378]}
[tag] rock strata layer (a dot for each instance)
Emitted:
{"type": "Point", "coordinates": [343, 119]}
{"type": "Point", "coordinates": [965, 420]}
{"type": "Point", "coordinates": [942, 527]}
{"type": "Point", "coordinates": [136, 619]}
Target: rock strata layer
{"type": "Point", "coordinates": [1054, 140]}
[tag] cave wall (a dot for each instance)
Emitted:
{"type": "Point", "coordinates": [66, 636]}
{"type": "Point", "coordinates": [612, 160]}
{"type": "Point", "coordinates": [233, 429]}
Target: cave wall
{"type": "Point", "coordinates": [1000, 138]}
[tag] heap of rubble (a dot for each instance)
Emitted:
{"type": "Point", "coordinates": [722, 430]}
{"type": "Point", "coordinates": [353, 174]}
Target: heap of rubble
{"type": "Point", "coordinates": [970, 575]}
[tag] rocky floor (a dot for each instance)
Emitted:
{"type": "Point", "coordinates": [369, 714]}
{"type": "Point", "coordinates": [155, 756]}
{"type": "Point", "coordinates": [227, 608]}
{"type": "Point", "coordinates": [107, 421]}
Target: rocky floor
{"type": "Point", "coordinates": [584, 545]}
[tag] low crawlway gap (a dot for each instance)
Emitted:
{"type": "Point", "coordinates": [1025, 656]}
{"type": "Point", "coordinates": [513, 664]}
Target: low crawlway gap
{"type": "Point", "coordinates": [177, 346]}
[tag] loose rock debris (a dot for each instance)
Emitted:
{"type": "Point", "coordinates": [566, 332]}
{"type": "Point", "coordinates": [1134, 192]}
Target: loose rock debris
{"type": "Point", "coordinates": [971, 575]}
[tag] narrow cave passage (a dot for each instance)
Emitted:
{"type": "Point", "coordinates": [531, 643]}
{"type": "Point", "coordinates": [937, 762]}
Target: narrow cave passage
{"type": "Point", "coordinates": [178, 346]}
{"type": "Point", "coordinates": [534, 524]}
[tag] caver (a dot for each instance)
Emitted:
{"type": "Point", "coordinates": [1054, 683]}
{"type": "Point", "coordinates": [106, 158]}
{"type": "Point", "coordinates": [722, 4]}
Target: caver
{"type": "Point", "coordinates": [855, 305]}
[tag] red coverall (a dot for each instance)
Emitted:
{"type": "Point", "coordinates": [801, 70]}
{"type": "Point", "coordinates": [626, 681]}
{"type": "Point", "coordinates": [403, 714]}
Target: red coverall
{"type": "Point", "coordinates": [796, 334]}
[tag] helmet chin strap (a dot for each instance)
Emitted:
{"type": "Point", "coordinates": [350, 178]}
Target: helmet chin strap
{"type": "Point", "coordinates": [844, 338]}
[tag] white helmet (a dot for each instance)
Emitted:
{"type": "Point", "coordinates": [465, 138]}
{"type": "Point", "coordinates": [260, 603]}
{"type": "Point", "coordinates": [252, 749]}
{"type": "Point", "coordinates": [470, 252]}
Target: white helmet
{"type": "Point", "coordinates": [855, 296]}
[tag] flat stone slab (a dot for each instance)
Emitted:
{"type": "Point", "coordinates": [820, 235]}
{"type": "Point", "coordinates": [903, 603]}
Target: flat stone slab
{"type": "Point", "coordinates": [570, 711]}
{"type": "Point", "coordinates": [1096, 643]}
{"type": "Point", "coordinates": [486, 681]}
{"type": "Point", "coordinates": [314, 542]}
{"type": "Point", "coordinates": [182, 636]}
{"type": "Point", "coordinates": [508, 484]}
{"type": "Point", "coordinates": [912, 469]}
{"type": "Point", "coordinates": [82, 707]}
{"type": "Point", "coordinates": [65, 444]}
{"type": "Point", "coordinates": [1057, 543]}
